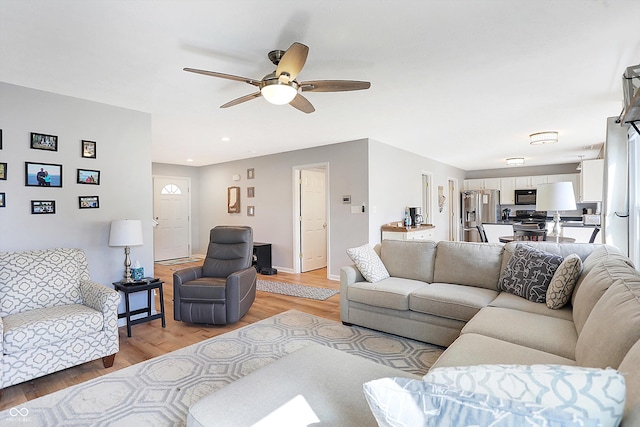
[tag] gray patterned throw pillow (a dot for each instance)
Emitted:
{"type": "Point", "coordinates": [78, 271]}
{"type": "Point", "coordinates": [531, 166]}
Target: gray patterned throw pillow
{"type": "Point", "coordinates": [529, 272]}
{"type": "Point", "coordinates": [368, 262]}
{"type": "Point", "coordinates": [563, 282]}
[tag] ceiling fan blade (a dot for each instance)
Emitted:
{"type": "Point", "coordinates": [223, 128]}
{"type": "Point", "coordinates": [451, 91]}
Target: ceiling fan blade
{"type": "Point", "coordinates": [333, 85]}
{"type": "Point", "coordinates": [302, 104]}
{"type": "Point", "coordinates": [224, 76]}
{"type": "Point", "coordinates": [292, 61]}
{"type": "Point", "coordinates": [241, 100]}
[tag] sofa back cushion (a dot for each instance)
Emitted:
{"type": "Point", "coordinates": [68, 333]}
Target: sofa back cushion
{"type": "Point", "coordinates": [599, 255]}
{"type": "Point", "coordinates": [40, 278]}
{"type": "Point", "coordinates": [594, 284]}
{"type": "Point", "coordinates": [468, 263]}
{"type": "Point", "coordinates": [613, 326]}
{"type": "Point", "coordinates": [409, 259]}
{"type": "Point", "coordinates": [583, 250]}
{"type": "Point", "coordinates": [629, 368]}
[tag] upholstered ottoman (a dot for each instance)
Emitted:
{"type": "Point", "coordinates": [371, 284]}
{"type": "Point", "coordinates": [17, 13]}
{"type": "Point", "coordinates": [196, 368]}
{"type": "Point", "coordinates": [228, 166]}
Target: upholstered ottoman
{"type": "Point", "coordinates": [315, 385]}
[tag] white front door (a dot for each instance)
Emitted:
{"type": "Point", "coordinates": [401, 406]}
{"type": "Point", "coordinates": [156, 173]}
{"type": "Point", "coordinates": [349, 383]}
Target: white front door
{"type": "Point", "coordinates": [313, 219]}
{"type": "Point", "coordinates": [171, 212]}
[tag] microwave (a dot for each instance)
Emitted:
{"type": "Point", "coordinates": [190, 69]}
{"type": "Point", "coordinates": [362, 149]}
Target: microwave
{"type": "Point", "coordinates": [525, 197]}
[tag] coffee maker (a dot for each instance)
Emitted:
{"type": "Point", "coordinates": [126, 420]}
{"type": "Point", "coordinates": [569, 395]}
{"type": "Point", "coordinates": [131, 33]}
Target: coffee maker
{"type": "Point", "coordinates": [415, 214]}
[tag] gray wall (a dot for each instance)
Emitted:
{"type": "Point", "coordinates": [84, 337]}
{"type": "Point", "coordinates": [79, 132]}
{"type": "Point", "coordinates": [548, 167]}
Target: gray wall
{"type": "Point", "coordinates": [523, 171]}
{"type": "Point", "coordinates": [123, 140]}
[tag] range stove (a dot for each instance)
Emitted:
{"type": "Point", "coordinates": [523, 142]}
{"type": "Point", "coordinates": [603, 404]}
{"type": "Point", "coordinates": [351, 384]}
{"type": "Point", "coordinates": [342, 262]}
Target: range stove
{"type": "Point", "coordinates": [532, 217]}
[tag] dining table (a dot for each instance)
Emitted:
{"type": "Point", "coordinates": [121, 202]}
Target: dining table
{"type": "Point", "coordinates": [508, 239]}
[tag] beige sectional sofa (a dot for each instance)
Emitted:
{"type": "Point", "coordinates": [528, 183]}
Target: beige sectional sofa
{"type": "Point", "coordinates": [447, 294]}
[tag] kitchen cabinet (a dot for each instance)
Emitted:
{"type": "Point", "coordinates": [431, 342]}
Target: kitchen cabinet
{"type": "Point", "coordinates": [592, 179]}
{"type": "Point", "coordinates": [507, 191]}
{"type": "Point", "coordinates": [482, 184]}
{"type": "Point", "coordinates": [526, 182]}
{"type": "Point", "coordinates": [574, 178]}
{"type": "Point", "coordinates": [421, 232]}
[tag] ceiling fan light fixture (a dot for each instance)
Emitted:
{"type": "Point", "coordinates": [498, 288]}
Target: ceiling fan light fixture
{"type": "Point", "coordinates": [515, 161]}
{"type": "Point", "coordinates": [279, 93]}
{"type": "Point", "coordinates": [547, 137]}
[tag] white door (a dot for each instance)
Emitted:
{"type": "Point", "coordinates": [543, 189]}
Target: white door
{"type": "Point", "coordinates": [171, 212]}
{"type": "Point", "coordinates": [313, 219]}
{"type": "Point", "coordinates": [453, 201]}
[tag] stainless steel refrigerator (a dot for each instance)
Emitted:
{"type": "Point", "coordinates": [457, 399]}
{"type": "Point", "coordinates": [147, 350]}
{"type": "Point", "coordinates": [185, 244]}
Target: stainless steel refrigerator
{"type": "Point", "coordinates": [478, 207]}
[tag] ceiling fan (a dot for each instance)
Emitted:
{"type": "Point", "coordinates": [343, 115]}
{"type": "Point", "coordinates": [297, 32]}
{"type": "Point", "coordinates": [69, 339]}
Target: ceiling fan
{"type": "Point", "coordinates": [281, 87]}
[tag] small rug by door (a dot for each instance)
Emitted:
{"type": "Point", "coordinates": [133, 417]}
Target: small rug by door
{"type": "Point", "coordinates": [303, 291]}
{"type": "Point", "coordinates": [160, 391]}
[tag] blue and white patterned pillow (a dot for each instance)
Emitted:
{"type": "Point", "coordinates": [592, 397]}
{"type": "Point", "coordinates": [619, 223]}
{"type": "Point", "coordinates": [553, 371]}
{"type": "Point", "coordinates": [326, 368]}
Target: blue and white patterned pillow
{"type": "Point", "coordinates": [368, 262]}
{"type": "Point", "coordinates": [403, 402]}
{"type": "Point", "coordinates": [589, 392]}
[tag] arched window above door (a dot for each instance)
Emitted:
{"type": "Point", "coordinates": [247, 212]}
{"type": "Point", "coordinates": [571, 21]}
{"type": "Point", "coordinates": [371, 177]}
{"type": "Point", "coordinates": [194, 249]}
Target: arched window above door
{"type": "Point", "coordinates": [170, 189]}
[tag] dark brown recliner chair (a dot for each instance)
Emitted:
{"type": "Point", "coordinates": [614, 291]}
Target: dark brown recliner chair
{"type": "Point", "coordinates": [222, 290]}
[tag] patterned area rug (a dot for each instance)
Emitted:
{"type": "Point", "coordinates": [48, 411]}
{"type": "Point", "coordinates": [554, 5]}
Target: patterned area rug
{"type": "Point", "coordinates": [303, 291]}
{"type": "Point", "coordinates": [160, 391]}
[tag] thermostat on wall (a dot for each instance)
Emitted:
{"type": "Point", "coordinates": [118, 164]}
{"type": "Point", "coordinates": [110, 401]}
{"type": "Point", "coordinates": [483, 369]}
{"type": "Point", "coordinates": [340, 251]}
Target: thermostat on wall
{"type": "Point", "coordinates": [346, 199]}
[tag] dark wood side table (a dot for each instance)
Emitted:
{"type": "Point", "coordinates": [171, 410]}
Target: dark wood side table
{"type": "Point", "coordinates": [149, 286]}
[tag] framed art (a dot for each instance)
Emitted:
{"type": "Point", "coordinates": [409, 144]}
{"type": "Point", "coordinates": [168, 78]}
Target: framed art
{"type": "Point", "coordinates": [88, 149]}
{"type": "Point", "coordinates": [250, 173]}
{"type": "Point", "coordinates": [0, 139]}
{"type": "Point", "coordinates": [3, 200]}
{"type": "Point", "coordinates": [40, 141]}
{"type": "Point", "coordinates": [251, 210]}
{"type": "Point", "coordinates": [3, 171]}
{"type": "Point", "coordinates": [233, 200]}
{"type": "Point", "coordinates": [86, 176]}
{"type": "Point", "coordinates": [42, 175]}
{"type": "Point", "coordinates": [251, 192]}
{"type": "Point", "coordinates": [43, 206]}
{"type": "Point", "coordinates": [89, 202]}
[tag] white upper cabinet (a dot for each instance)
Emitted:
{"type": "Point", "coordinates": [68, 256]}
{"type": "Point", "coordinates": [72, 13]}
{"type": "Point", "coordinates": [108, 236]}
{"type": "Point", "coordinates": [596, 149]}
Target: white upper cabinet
{"type": "Point", "coordinates": [507, 191]}
{"type": "Point", "coordinates": [574, 178]}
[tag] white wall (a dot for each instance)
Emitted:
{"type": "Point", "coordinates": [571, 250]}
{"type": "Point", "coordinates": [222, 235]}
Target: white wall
{"type": "Point", "coordinates": [123, 140]}
{"type": "Point", "coordinates": [395, 181]}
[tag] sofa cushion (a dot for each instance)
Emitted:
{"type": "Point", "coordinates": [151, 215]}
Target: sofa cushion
{"type": "Point", "coordinates": [475, 349]}
{"type": "Point", "coordinates": [402, 402]}
{"type": "Point", "coordinates": [409, 259]}
{"type": "Point", "coordinates": [591, 288]}
{"type": "Point", "coordinates": [545, 333]}
{"type": "Point", "coordinates": [451, 301]}
{"type": "Point", "coordinates": [563, 281]}
{"type": "Point", "coordinates": [44, 326]}
{"type": "Point", "coordinates": [583, 250]}
{"type": "Point", "coordinates": [529, 272]}
{"type": "Point", "coordinates": [392, 292]}
{"type": "Point", "coordinates": [507, 300]}
{"type": "Point", "coordinates": [587, 392]}
{"type": "Point", "coordinates": [368, 262]}
{"type": "Point", "coordinates": [617, 311]}
{"type": "Point", "coordinates": [599, 254]}
{"type": "Point", "coordinates": [629, 368]}
{"type": "Point", "coordinates": [466, 263]}
{"type": "Point", "coordinates": [54, 272]}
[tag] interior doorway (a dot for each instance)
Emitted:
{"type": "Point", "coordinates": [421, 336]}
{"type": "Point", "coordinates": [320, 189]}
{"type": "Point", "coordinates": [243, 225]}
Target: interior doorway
{"type": "Point", "coordinates": [427, 178]}
{"type": "Point", "coordinates": [452, 206]}
{"type": "Point", "coordinates": [311, 225]}
{"type": "Point", "coordinates": [171, 214]}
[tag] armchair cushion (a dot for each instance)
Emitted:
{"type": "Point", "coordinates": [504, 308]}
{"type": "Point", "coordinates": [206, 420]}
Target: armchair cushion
{"type": "Point", "coordinates": [44, 326]}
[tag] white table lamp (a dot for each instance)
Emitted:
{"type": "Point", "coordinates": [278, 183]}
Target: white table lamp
{"type": "Point", "coordinates": [126, 232]}
{"type": "Point", "coordinates": [556, 196]}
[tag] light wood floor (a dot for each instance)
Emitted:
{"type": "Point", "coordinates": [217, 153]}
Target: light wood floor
{"type": "Point", "coordinates": [150, 339]}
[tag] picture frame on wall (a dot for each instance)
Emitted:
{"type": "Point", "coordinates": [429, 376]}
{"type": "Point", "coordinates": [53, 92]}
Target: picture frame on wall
{"type": "Point", "coordinates": [3, 171]}
{"type": "Point", "coordinates": [251, 210]}
{"type": "Point", "coordinates": [251, 173]}
{"type": "Point", "coordinates": [88, 149]}
{"type": "Point", "coordinates": [43, 207]}
{"type": "Point", "coordinates": [42, 175]}
{"type": "Point", "coordinates": [89, 202]}
{"type": "Point", "coordinates": [41, 141]}
{"type": "Point", "coordinates": [88, 176]}
{"type": "Point", "coordinates": [0, 139]}
{"type": "Point", "coordinates": [3, 200]}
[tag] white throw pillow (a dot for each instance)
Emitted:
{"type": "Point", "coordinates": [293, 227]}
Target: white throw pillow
{"type": "Point", "coordinates": [563, 282]}
{"type": "Point", "coordinates": [368, 262]}
{"type": "Point", "coordinates": [589, 392]}
{"type": "Point", "coordinates": [403, 402]}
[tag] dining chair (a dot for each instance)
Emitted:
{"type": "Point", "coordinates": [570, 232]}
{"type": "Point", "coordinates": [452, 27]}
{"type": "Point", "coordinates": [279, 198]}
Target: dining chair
{"type": "Point", "coordinates": [596, 230]}
{"type": "Point", "coordinates": [483, 234]}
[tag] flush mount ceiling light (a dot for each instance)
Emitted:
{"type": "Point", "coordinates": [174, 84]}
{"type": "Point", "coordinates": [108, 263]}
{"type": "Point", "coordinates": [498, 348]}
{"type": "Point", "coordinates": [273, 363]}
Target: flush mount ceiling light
{"type": "Point", "coordinates": [515, 161]}
{"type": "Point", "coordinates": [548, 137]}
{"type": "Point", "coordinates": [278, 92]}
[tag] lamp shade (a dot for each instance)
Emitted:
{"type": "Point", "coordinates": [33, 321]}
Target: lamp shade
{"type": "Point", "coordinates": [126, 232]}
{"type": "Point", "coordinates": [556, 196]}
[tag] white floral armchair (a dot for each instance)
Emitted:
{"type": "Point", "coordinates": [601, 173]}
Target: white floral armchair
{"type": "Point", "coordinates": [52, 316]}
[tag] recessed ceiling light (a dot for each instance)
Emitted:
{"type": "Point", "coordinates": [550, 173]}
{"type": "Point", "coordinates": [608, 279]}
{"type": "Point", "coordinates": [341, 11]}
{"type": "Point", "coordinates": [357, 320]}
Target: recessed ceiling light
{"type": "Point", "coordinates": [547, 137]}
{"type": "Point", "coordinates": [515, 161]}
{"type": "Point", "coordinates": [225, 139]}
